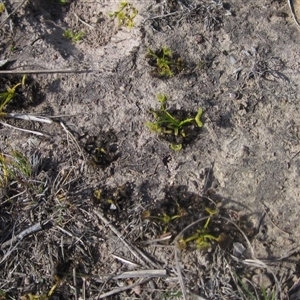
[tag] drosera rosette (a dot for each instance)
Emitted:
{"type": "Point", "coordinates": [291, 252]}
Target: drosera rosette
{"type": "Point", "coordinates": [178, 127]}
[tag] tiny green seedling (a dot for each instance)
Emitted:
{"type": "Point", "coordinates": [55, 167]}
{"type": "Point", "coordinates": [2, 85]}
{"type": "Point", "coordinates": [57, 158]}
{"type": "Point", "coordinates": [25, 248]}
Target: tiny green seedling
{"type": "Point", "coordinates": [164, 218]}
{"type": "Point", "coordinates": [2, 8]}
{"type": "Point", "coordinates": [8, 95]}
{"type": "Point", "coordinates": [73, 36]}
{"type": "Point", "coordinates": [166, 63]}
{"type": "Point", "coordinates": [125, 14]}
{"type": "Point", "coordinates": [167, 123]}
{"type": "Point", "coordinates": [6, 98]}
{"type": "Point", "coordinates": [202, 237]}
{"type": "Point", "coordinates": [64, 2]}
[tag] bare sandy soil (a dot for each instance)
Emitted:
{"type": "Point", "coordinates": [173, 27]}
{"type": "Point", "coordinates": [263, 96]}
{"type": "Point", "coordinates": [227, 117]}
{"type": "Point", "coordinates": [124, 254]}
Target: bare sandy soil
{"type": "Point", "coordinates": [101, 182]}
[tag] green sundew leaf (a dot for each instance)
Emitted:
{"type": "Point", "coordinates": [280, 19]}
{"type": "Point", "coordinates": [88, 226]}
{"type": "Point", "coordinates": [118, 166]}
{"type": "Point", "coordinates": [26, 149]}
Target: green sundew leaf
{"type": "Point", "coordinates": [198, 116]}
{"type": "Point", "coordinates": [6, 97]}
{"type": "Point", "coordinates": [130, 24]}
{"type": "Point", "coordinates": [154, 127]}
{"type": "Point", "coordinates": [121, 16]}
{"type": "Point", "coordinates": [63, 2]}
{"type": "Point", "coordinates": [166, 51]}
{"type": "Point", "coordinates": [166, 71]}
{"type": "Point", "coordinates": [98, 194]}
{"type": "Point", "coordinates": [181, 244]}
{"type": "Point", "coordinates": [151, 53]}
{"type": "Point", "coordinates": [211, 211]}
{"type": "Point", "coordinates": [202, 244]}
{"type": "Point", "coordinates": [176, 147]}
{"type": "Point", "coordinates": [176, 131]}
{"type": "Point", "coordinates": [162, 98]}
{"type": "Point", "coordinates": [134, 13]}
{"type": "Point", "coordinates": [2, 8]}
{"type": "Point", "coordinates": [162, 63]}
{"type": "Point", "coordinates": [171, 119]}
{"type": "Point", "coordinates": [182, 133]}
{"type": "Point", "coordinates": [185, 122]}
{"type": "Point", "coordinates": [166, 219]}
{"type": "Point", "coordinates": [123, 4]}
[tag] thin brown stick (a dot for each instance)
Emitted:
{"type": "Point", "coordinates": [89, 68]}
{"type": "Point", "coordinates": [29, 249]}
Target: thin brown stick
{"type": "Point", "coordinates": [179, 274]}
{"type": "Point", "coordinates": [13, 12]}
{"type": "Point", "coordinates": [75, 283]}
{"type": "Point", "coordinates": [83, 22]}
{"type": "Point", "coordinates": [291, 4]}
{"type": "Point", "coordinates": [32, 229]}
{"type": "Point", "coordinates": [24, 130]}
{"type": "Point", "coordinates": [83, 288]}
{"type": "Point", "coordinates": [54, 71]}
{"type": "Point", "coordinates": [134, 250]}
{"type": "Point", "coordinates": [141, 273]}
{"type": "Point", "coordinates": [124, 288]}
{"type": "Point", "coordinates": [177, 252]}
{"type": "Point", "coordinates": [125, 260]}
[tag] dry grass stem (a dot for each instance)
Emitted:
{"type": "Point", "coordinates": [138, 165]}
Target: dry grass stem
{"type": "Point", "coordinates": [24, 130]}
{"type": "Point", "coordinates": [32, 229]}
{"type": "Point", "coordinates": [13, 12]}
{"type": "Point", "coordinates": [84, 23]}
{"type": "Point", "coordinates": [27, 117]}
{"type": "Point", "coordinates": [54, 71]}
{"type": "Point", "coordinates": [125, 260]}
{"type": "Point", "coordinates": [75, 284]}
{"type": "Point", "coordinates": [124, 288]}
{"type": "Point", "coordinates": [143, 259]}
{"type": "Point", "coordinates": [142, 273]}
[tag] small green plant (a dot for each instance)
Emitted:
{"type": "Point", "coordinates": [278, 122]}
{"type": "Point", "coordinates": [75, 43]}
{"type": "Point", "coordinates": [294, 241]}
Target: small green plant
{"type": "Point", "coordinates": [166, 63]}
{"type": "Point", "coordinates": [73, 36]}
{"type": "Point", "coordinates": [167, 123]}
{"type": "Point", "coordinates": [268, 295]}
{"type": "Point", "coordinates": [64, 2]}
{"type": "Point", "coordinates": [8, 95]}
{"type": "Point", "coordinates": [2, 8]}
{"type": "Point", "coordinates": [125, 14]}
{"type": "Point", "coordinates": [164, 218]}
{"type": "Point", "coordinates": [202, 237]}
{"type": "Point", "coordinates": [254, 292]}
{"type": "Point", "coordinates": [13, 166]}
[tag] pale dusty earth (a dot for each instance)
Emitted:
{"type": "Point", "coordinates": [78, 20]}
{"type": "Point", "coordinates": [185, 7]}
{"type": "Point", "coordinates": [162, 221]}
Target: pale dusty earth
{"type": "Point", "coordinates": [242, 68]}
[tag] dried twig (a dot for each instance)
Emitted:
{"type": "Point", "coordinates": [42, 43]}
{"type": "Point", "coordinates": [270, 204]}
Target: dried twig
{"type": "Point", "coordinates": [46, 71]}
{"type": "Point", "coordinates": [32, 229]}
{"type": "Point", "coordinates": [124, 288]}
{"type": "Point", "coordinates": [27, 117]}
{"type": "Point", "coordinates": [142, 273]}
{"type": "Point", "coordinates": [75, 283]}
{"type": "Point", "coordinates": [24, 130]}
{"type": "Point", "coordinates": [13, 12]}
{"type": "Point", "coordinates": [179, 274]}
{"type": "Point", "coordinates": [70, 234]}
{"type": "Point", "coordinates": [177, 253]}
{"type": "Point", "coordinates": [84, 23]}
{"type": "Point", "coordinates": [134, 250]}
{"type": "Point", "coordinates": [294, 6]}
{"type": "Point", "coordinates": [125, 260]}
{"type": "Point", "coordinates": [83, 288]}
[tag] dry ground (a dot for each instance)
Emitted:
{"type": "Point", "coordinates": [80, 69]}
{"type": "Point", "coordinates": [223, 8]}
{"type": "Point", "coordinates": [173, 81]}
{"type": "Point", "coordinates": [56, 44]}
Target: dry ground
{"type": "Point", "coordinates": [98, 206]}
